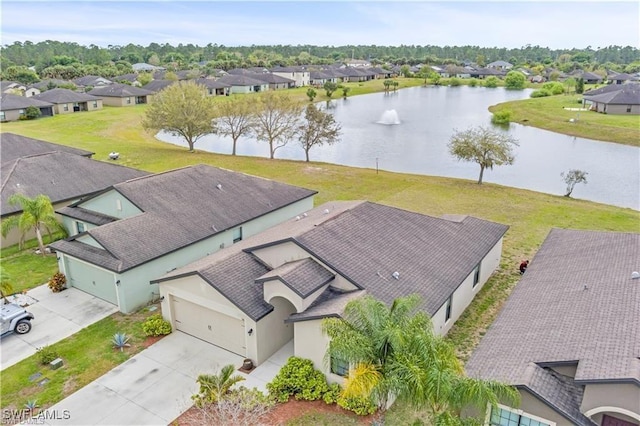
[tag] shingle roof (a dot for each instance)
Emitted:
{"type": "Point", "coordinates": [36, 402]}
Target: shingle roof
{"type": "Point", "coordinates": [90, 80]}
{"type": "Point", "coordinates": [240, 80]}
{"type": "Point", "coordinates": [61, 96]}
{"type": "Point", "coordinates": [60, 175]}
{"type": "Point", "coordinates": [117, 90]}
{"type": "Point", "coordinates": [329, 304]}
{"type": "Point", "coordinates": [10, 102]}
{"type": "Point", "coordinates": [272, 78]}
{"type": "Point", "coordinates": [187, 206]}
{"type": "Point", "coordinates": [86, 215]}
{"type": "Point", "coordinates": [44, 84]}
{"type": "Point", "coordinates": [616, 94]}
{"type": "Point", "coordinates": [303, 276]}
{"type": "Point", "coordinates": [14, 146]}
{"type": "Point", "coordinates": [211, 83]}
{"type": "Point", "coordinates": [576, 302]}
{"type": "Point", "coordinates": [157, 85]}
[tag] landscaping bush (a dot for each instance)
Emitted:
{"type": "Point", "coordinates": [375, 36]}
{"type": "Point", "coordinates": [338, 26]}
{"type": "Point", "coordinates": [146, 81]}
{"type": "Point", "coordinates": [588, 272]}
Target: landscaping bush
{"type": "Point", "coordinates": [331, 396]}
{"type": "Point", "coordinates": [298, 378]}
{"type": "Point", "coordinates": [454, 82]}
{"type": "Point", "coordinates": [155, 325]}
{"type": "Point", "coordinates": [46, 354]}
{"type": "Point", "coordinates": [540, 93]}
{"type": "Point", "coordinates": [491, 82]}
{"type": "Point", "coordinates": [360, 405]}
{"type": "Point", "coordinates": [473, 82]}
{"type": "Point", "coordinates": [501, 117]}
{"type": "Point", "coordinates": [553, 87]}
{"type": "Point", "coordinates": [32, 112]}
{"type": "Point", "coordinates": [57, 282]}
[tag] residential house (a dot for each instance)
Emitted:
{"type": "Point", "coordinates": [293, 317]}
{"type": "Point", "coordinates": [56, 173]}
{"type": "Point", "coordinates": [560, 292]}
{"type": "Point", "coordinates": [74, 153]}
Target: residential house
{"type": "Point", "coordinates": [67, 101]}
{"type": "Point", "coordinates": [614, 99]}
{"type": "Point", "coordinates": [319, 78]}
{"type": "Point", "coordinates": [500, 65]}
{"type": "Point", "coordinates": [91, 81]}
{"type": "Point", "coordinates": [588, 77]}
{"type": "Point", "coordinates": [122, 95]}
{"type": "Point", "coordinates": [157, 85]}
{"type": "Point", "coordinates": [621, 78]}
{"type": "Point", "coordinates": [357, 63]}
{"type": "Point", "coordinates": [31, 91]}
{"type": "Point", "coordinates": [131, 78]}
{"type": "Point", "coordinates": [52, 83]}
{"type": "Point", "coordinates": [275, 82]}
{"type": "Point", "coordinates": [140, 229]}
{"type": "Point", "coordinates": [33, 167]}
{"type": "Point", "coordinates": [257, 295]}
{"type": "Point", "coordinates": [12, 107]}
{"type": "Point", "coordinates": [214, 87]}
{"type": "Point", "coordinates": [240, 83]}
{"type": "Point", "coordinates": [142, 67]}
{"type": "Point", "coordinates": [299, 74]}
{"type": "Point", "coordinates": [12, 87]}
{"type": "Point", "coordinates": [568, 337]}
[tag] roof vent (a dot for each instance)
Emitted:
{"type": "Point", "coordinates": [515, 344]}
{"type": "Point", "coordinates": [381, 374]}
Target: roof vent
{"type": "Point", "coordinates": [635, 275]}
{"type": "Point", "coordinates": [219, 186]}
{"type": "Point", "coordinates": [396, 275]}
{"type": "Point", "coordinates": [325, 211]}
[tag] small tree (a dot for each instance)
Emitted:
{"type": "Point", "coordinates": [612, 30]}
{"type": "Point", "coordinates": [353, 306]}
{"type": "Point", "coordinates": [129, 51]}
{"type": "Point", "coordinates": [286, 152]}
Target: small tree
{"type": "Point", "coordinates": [484, 146]}
{"type": "Point", "coordinates": [571, 84]}
{"type": "Point", "coordinates": [5, 284]}
{"type": "Point", "coordinates": [182, 109]}
{"type": "Point", "coordinates": [572, 178]}
{"type": "Point", "coordinates": [32, 112]}
{"type": "Point", "coordinates": [318, 128]}
{"type": "Point", "coordinates": [491, 82]}
{"type": "Point", "coordinates": [580, 86]}
{"type": "Point", "coordinates": [311, 94]}
{"type": "Point", "coordinates": [387, 84]}
{"type": "Point", "coordinates": [515, 80]}
{"type": "Point", "coordinates": [276, 120]}
{"type": "Point", "coordinates": [329, 88]}
{"type": "Point", "coordinates": [214, 387]}
{"type": "Point", "coordinates": [236, 118]}
{"type": "Point", "coordinates": [345, 91]}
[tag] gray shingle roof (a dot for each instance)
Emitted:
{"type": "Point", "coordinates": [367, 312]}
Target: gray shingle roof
{"type": "Point", "coordinates": [10, 102]}
{"type": "Point", "coordinates": [620, 94]}
{"type": "Point", "coordinates": [329, 304]}
{"type": "Point", "coordinates": [61, 96]}
{"type": "Point", "coordinates": [60, 175]}
{"type": "Point", "coordinates": [551, 317]}
{"type": "Point", "coordinates": [117, 90]}
{"type": "Point", "coordinates": [240, 80]}
{"type": "Point", "coordinates": [187, 206]}
{"type": "Point", "coordinates": [91, 80]}
{"type": "Point", "coordinates": [86, 215]}
{"type": "Point", "coordinates": [14, 146]}
{"type": "Point", "coordinates": [211, 83]}
{"type": "Point", "coordinates": [157, 85]}
{"type": "Point", "coordinates": [302, 276]}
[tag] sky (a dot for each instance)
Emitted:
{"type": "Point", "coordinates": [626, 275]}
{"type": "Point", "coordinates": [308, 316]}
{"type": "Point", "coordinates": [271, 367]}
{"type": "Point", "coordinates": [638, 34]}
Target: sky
{"type": "Point", "coordinates": [510, 24]}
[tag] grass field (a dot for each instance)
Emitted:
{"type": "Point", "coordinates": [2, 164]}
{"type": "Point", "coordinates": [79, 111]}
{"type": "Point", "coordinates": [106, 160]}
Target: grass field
{"type": "Point", "coordinates": [549, 113]}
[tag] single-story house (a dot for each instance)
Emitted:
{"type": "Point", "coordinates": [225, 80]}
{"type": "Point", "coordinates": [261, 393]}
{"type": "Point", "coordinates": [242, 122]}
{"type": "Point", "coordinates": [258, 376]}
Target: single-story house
{"type": "Point", "coordinates": [67, 101]}
{"type": "Point", "coordinates": [240, 83]}
{"type": "Point", "coordinates": [501, 65]}
{"type": "Point", "coordinates": [52, 83]}
{"type": "Point", "coordinates": [142, 67]}
{"type": "Point", "coordinates": [587, 77]}
{"type": "Point", "coordinates": [12, 87]}
{"type": "Point", "coordinates": [254, 297]}
{"type": "Point", "coordinates": [568, 337]}
{"type": "Point", "coordinates": [121, 95]}
{"type": "Point", "coordinates": [300, 75]}
{"type": "Point", "coordinates": [64, 174]}
{"type": "Point", "coordinates": [130, 78]}
{"type": "Point", "coordinates": [157, 85]}
{"type": "Point", "coordinates": [214, 87]}
{"type": "Point", "coordinates": [614, 99]}
{"type": "Point", "coordinates": [621, 78]}
{"type": "Point", "coordinates": [92, 81]}
{"type": "Point", "coordinates": [275, 81]}
{"type": "Point", "coordinates": [135, 231]}
{"type": "Point", "coordinates": [12, 107]}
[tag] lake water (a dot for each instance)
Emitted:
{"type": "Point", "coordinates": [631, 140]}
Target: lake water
{"type": "Point", "coordinates": [428, 117]}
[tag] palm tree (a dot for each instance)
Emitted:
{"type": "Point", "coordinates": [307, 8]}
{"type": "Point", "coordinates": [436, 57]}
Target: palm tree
{"type": "Point", "coordinates": [5, 284]}
{"type": "Point", "coordinates": [214, 387]}
{"type": "Point", "coordinates": [37, 213]}
{"type": "Point", "coordinates": [396, 354]}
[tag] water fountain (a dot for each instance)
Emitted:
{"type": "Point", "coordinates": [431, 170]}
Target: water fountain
{"type": "Point", "coordinates": [389, 117]}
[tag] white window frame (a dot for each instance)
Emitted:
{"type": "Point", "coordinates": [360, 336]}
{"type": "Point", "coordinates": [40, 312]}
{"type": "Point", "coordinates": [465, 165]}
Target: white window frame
{"type": "Point", "coordinates": [476, 275]}
{"type": "Point", "coordinates": [487, 420]}
{"type": "Point", "coordinates": [80, 224]}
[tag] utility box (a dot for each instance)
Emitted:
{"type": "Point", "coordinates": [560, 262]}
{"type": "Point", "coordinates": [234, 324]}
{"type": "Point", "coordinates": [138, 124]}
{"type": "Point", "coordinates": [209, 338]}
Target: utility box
{"type": "Point", "coordinates": [56, 363]}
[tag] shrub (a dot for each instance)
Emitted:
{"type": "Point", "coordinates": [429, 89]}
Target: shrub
{"type": "Point", "coordinates": [331, 396]}
{"type": "Point", "coordinates": [553, 87]}
{"type": "Point", "coordinates": [501, 117]}
{"type": "Point", "coordinates": [46, 354]}
{"type": "Point", "coordinates": [540, 93]}
{"type": "Point", "coordinates": [120, 341]}
{"type": "Point", "coordinates": [32, 112]}
{"type": "Point", "coordinates": [454, 81]}
{"type": "Point", "coordinates": [57, 282]}
{"type": "Point", "coordinates": [155, 325]}
{"type": "Point", "coordinates": [473, 82]}
{"type": "Point", "coordinates": [298, 378]}
{"type": "Point", "coordinates": [360, 405]}
{"type": "Point", "coordinates": [491, 82]}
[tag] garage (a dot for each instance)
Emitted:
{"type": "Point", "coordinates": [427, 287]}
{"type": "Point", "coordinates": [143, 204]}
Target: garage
{"type": "Point", "coordinates": [209, 325]}
{"type": "Point", "coordinates": [92, 280]}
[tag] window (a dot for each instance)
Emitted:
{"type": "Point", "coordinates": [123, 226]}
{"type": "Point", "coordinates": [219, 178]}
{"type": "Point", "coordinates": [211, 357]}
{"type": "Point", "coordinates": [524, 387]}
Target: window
{"type": "Point", "coordinates": [128, 100]}
{"type": "Point", "coordinates": [80, 227]}
{"type": "Point", "coordinates": [506, 417]}
{"type": "Point", "coordinates": [21, 111]}
{"type": "Point", "coordinates": [447, 315]}
{"type": "Point", "coordinates": [628, 108]}
{"type": "Point", "coordinates": [237, 234]}
{"type": "Point", "coordinates": [2, 116]}
{"type": "Point", "coordinates": [476, 275]}
{"type": "Point", "coordinates": [95, 104]}
{"type": "Point", "coordinates": [339, 366]}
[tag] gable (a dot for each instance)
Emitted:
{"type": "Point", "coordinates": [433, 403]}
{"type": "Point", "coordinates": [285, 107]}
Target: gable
{"type": "Point", "coordinates": [111, 203]}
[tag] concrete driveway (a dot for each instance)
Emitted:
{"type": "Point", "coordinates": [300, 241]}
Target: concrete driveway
{"type": "Point", "coordinates": [155, 386]}
{"type": "Point", "coordinates": [57, 315]}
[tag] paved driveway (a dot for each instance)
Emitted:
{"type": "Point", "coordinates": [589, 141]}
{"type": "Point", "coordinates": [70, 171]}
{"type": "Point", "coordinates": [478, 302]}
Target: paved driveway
{"type": "Point", "coordinates": [57, 315]}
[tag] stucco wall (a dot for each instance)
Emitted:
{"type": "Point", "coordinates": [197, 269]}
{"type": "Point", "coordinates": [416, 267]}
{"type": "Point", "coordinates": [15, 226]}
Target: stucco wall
{"type": "Point", "coordinates": [276, 288]}
{"type": "Point", "coordinates": [272, 332]}
{"type": "Point", "coordinates": [64, 108]}
{"type": "Point", "coordinates": [111, 203]}
{"type": "Point", "coordinates": [624, 396]}
{"type": "Point", "coordinates": [12, 115]}
{"type": "Point", "coordinates": [311, 343]}
{"type": "Point", "coordinates": [118, 102]}
{"type": "Point", "coordinates": [91, 107]}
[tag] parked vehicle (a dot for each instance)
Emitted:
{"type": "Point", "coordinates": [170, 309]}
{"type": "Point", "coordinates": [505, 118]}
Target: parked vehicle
{"type": "Point", "coordinates": [15, 319]}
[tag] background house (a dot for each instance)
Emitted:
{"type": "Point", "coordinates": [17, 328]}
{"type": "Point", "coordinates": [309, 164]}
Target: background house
{"type": "Point", "coordinates": [614, 99]}
{"type": "Point", "coordinates": [568, 337]}
{"type": "Point", "coordinates": [121, 95]}
{"type": "Point", "coordinates": [140, 229]}
{"type": "Point", "coordinates": [254, 297]}
{"type": "Point", "coordinates": [67, 101]}
{"type": "Point", "coordinates": [12, 107]}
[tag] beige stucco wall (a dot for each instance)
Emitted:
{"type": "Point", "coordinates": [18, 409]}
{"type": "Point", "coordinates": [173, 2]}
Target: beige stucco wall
{"type": "Point", "coordinates": [272, 332]}
{"type": "Point", "coordinates": [66, 108]}
{"type": "Point", "coordinates": [311, 343]}
{"type": "Point", "coordinates": [618, 397]}
{"type": "Point", "coordinates": [566, 370]}
{"type": "Point", "coordinates": [13, 237]}
{"type": "Point", "coordinates": [91, 107]}
{"type": "Point", "coordinates": [118, 102]}
{"type": "Point", "coordinates": [532, 405]}
{"type": "Point", "coordinates": [12, 115]}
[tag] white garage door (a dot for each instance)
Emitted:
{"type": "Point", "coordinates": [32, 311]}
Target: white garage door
{"type": "Point", "coordinates": [209, 325]}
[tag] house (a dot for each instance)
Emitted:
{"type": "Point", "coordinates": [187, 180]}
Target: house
{"type": "Point", "coordinates": [357, 63]}
{"type": "Point", "coordinates": [64, 174]}
{"type": "Point", "coordinates": [621, 78]}
{"type": "Point", "coordinates": [568, 337]}
{"type": "Point", "coordinates": [157, 85]}
{"type": "Point", "coordinates": [52, 83]}
{"type": "Point", "coordinates": [300, 75]}
{"type": "Point", "coordinates": [12, 107]}
{"type": "Point", "coordinates": [614, 99]}
{"type": "Point", "coordinates": [131, 78]}
{"type": "Point", "coordinates": [31, 91]}
{"type": "Point", "coordinates": [122, 95]}
{"type": "Point", "coordinates": [500, 65]}
{"type": "Point", "coordinates": [257, 295]}
{"type": "Point", "coordinates": [134, 231]}
{"type": "Point", "coordinates": [214, 87]}
{"type": "Point", "coordinates": [92, 81]}
{"type": "Point", "coordinates": [240, 83]}
{"type": "Point", "coordinates": [142, 67]}
{"type": "Point", "coordinates": [12, 87]}
{"type": "Point", "coordinates": [67, 101]}
{"type": "Point", "coordinates": [588, 77]}
{"type": "Point", "coordinates": [275, 81]}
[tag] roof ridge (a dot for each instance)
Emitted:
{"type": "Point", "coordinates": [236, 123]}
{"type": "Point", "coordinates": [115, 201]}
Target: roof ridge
{"type": "Point", "coordinates": [150, 175]}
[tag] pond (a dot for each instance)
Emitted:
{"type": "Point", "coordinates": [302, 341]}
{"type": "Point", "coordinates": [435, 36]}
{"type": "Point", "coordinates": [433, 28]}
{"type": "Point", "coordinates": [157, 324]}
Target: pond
{"type": "Point", "coordinates": [407, 131]}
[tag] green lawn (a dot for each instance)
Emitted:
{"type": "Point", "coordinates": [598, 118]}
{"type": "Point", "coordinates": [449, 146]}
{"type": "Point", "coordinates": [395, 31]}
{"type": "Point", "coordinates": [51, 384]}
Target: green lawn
{"type": "Point", "coordinates": [25, 268]}
{"type": "Point", "coordinates": [549, 113]}
{"type": "Point", "coordinates": [87, 355]}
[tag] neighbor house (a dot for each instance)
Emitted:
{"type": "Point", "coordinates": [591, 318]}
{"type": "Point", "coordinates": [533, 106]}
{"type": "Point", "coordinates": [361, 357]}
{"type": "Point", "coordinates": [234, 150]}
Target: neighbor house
{"type": "Point", "coordinates": [214, 87]}
{"type": "Point", "coordinates": [121, 95]}
{"type": "Point", "coordinates": [67, 101]}
{"type": "Point", "coordinates": [140, 229]}
{"type": "Point", "coordinates": [13, 107]}
{"type": "Point", "coordinates": [91, 81]}
{"type": "Point", "coordinates": [254, 297]}
{"type": "Point", "coordinates": [500, 65]}
{"type": "Point", "coordinates": [568, 337]}
{"type": "Point", "coordinates": [300, 75]}
{"type": "Point", "coordinates": [33, 167]}
{"type": "Point", "coordinates": [614, 99]}
{"type": "Point", "coordinates": [239, 83]}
